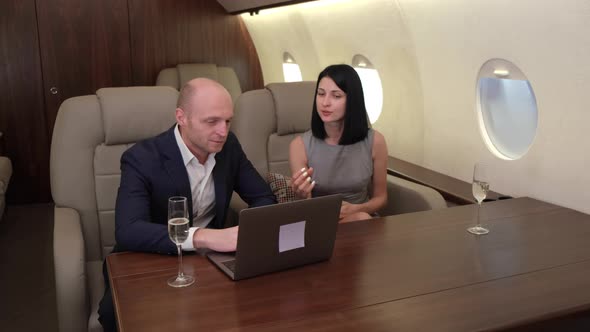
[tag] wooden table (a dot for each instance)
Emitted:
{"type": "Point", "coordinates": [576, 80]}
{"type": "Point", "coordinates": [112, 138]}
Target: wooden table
{"type": "Point", "coordinates": [413, 272]}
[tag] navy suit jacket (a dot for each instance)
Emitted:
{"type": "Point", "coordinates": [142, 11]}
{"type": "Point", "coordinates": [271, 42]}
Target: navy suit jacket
{"type": "Point", "coordinates": [153, 170]}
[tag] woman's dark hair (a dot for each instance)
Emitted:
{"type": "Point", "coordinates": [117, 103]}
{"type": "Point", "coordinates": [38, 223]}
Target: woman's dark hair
{"type": "Point", "coordinates": [356, 126]}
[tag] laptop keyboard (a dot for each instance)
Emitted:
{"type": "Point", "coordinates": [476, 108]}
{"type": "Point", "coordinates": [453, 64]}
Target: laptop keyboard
{"type": "Point", "coordinates": [231, 265]}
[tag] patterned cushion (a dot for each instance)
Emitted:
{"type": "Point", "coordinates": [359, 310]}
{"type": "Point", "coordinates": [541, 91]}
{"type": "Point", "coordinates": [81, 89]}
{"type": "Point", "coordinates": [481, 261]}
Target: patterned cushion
{"type": "Point", "coordinates": [281, 187]}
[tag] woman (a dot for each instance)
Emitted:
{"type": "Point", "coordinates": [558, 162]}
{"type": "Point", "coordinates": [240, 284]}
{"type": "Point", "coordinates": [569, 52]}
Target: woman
{"type": "Point", "coordinates": [341, 154]}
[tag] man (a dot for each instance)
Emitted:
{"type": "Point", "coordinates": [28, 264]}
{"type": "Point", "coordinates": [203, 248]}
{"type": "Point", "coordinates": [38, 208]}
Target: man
{"type": "Point", "coordinates": [197, 158]}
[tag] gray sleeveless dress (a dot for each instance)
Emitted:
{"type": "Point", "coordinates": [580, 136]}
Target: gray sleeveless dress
{"type": "Point", "coordinates": [341, 169]}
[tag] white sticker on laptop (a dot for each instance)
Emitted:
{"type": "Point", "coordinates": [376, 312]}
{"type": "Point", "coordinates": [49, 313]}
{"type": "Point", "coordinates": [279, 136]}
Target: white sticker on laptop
{"type": "Point", "coordinates": [292, 236]}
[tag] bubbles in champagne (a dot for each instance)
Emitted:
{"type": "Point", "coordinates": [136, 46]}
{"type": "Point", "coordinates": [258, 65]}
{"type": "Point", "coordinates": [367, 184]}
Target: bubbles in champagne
{"type": "Point", "coordinates": [178, 230]}
{"type": "Point", "coordinates": [480, 190]}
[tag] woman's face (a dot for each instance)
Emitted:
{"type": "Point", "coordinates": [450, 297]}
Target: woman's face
{"type": "Point", "coordinates": [330, 101]}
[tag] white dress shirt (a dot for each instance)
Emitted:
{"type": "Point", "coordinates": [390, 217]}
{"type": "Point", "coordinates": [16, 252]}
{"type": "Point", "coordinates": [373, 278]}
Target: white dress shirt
{"type": "Point", "coordinates": [202, 188]}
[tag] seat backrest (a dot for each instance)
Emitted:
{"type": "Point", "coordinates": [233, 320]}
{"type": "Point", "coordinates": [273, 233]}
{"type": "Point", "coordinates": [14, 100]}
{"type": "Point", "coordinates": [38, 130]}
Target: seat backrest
{"type": "Point", "coordinates": [267, 120]}
{"type": "Point", "coordinates": [182, 73]}
{"type": "Point", "coordinates": [405, 197]}
{"type": "Point", "coordinates": [90, 135]}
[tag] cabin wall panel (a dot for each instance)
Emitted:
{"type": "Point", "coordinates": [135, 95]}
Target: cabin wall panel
{"type": "Point", "coordinates": [550, 43]}
{"type": "Point", "coordinates": [429, 53]}
{"type": "Point", "coordinates": [319, 34]}
{"type": "Point", "coordinates": [79, 46]}
{"type": "Point", "coordinates": [164, 34]}
{"type": "Point", "coordinates": [84, 47]}
{"type": "Point", "coordinates": [289, 33]}
{"type": "Point", "coordinates": [22, 118]}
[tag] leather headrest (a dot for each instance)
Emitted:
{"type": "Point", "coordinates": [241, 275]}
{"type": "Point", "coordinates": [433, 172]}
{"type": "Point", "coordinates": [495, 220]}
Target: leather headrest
{"type": "Point", "coordinates": [135, 113]}
{"type": "Point", "coordinates": [293, 104]}
{"type": "Point", "coordinates": [188, 71]}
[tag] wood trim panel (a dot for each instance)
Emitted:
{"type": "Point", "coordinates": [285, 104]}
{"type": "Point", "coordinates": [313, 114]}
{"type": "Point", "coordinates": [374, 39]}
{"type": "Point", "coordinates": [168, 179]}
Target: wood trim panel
{"type": "Point", "coordinates": [79, 46]}
{"type": "Point", "coordinates": [452, 189]}
{"type": "Point", "coordinates": [22, 115]}
{"type": "Point", "coordinates": [164, 34]}
{"type": "Point", "coordinates": [84, 47]}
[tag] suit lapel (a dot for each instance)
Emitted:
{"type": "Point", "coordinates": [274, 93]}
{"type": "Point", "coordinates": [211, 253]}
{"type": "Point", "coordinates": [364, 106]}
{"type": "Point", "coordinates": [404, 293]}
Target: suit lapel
{"type": "Point", "coordinates": [219, 179]}
{"type": "Point", "coordinates": [175, 168]}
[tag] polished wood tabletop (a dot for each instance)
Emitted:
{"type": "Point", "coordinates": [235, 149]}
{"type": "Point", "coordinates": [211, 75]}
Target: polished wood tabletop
{"type": "Point", "coordinates": [416, 272]}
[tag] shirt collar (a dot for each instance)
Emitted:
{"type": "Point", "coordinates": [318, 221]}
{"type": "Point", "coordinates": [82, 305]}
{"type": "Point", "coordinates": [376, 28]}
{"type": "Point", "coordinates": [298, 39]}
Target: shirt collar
{"type": "Point", "coordinates": [187, 155]}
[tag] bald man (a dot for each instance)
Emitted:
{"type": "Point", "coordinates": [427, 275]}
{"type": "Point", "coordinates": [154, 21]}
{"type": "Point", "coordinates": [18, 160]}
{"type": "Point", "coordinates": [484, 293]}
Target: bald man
{"type": "Point", "coordinates": [197, 158]}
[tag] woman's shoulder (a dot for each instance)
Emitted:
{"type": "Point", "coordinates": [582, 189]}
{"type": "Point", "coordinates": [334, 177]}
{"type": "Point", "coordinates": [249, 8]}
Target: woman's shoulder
{"type": "Point", "coordinates": [298, 140]}
{"type": "Point", "coordinates": [306, 137]}
{"type": "Point", "coordinates": [301, 140]}
{"type": "Point", "coordinates": [379, 143]}
{"type": "Point", "coordinates": [377, 136]}
{"type": "Point", "coordinates": [370, 138]}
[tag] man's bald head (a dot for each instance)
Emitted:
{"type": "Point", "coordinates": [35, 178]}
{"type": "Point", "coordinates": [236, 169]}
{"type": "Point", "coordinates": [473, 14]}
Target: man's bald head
{"type": "Point", "coordinates": [196, 89]}
{"type": "Point", "coordinates": [204, 112]}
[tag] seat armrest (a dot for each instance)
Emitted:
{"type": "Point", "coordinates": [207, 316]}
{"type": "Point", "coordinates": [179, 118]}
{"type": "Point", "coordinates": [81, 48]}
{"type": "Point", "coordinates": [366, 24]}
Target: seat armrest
{"type": "Point", "coordinates": [5, 174]}
{"type": "Point", "coordinates": [405, 196]}
{"type": "Point", "coordinates": [70, 271]}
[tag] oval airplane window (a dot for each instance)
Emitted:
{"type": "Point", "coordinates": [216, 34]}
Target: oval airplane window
{"type": "Point", "coordinates": [372, 89]}
{"type": "Point", "coordinates": [506, 109]}
{"type": "Point", "coordinates": [291, 71]}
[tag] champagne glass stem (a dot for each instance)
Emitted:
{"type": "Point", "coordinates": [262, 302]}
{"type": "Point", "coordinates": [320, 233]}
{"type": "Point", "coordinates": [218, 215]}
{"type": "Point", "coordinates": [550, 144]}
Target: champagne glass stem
{"type": "Point", "coordinates": [180, 270]}
{"type": "Point", "coordinates": [478, 215]}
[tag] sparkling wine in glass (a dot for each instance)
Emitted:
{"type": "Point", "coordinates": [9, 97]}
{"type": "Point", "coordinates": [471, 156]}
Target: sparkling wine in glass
{"type": "Point", "coordinates": [480, 188]}
{"type": "Point", "coordinates": [178, 232]}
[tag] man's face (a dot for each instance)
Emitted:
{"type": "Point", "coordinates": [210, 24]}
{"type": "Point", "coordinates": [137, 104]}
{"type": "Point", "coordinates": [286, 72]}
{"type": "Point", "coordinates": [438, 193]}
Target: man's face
{"type": "Point", "coordinates": [205, 124]}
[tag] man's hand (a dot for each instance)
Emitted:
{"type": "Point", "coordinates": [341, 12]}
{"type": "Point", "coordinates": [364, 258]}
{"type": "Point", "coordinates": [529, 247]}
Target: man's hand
{"type": "Point", "coordinates": [222, 240]}
{"type": "Point", "coordinates": [302, 184]}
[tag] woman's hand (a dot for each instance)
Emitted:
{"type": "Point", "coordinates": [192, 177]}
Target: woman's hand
{"type": "Point", "coordinates": [348, 209]}
{"type": "Point", "coordinates": [302, 183]}
{"type": "Point", "coordinates": [352, 212]}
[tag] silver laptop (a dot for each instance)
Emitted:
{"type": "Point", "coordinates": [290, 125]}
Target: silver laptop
{"type": "Point", "coordinates": [281, 236]}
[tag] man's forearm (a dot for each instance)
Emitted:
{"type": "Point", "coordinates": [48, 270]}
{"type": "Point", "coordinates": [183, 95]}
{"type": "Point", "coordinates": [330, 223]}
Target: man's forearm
{"type": "Point", "coordinates": [145, 237]}
{"type": "Point", "coordinates": [222, 240]}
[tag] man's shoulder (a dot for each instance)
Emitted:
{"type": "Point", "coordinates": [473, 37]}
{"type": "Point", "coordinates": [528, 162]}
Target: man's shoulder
{"type": "Point", "coordinates": [232, 139]}
{"type": "Point", "coordinates": [231, 151]}
{"type": "Point", "coordinates": [149, 148]}
{"type": "Point", "coordinates": [231, 143]}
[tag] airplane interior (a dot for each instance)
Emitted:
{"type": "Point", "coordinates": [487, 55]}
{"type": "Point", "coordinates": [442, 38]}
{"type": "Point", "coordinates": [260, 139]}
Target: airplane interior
{"type": "Point", "coordinates": [449, 84]}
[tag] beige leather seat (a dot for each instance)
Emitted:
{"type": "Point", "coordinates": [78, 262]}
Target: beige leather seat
{"type": "Point", "coordinates": [91, 133]}
{"type": "Point", "coordinates": [267, 120]}
{"type": "Point", "coordinates": [5, 174]}
{"type": "Point", "coordinates": [405, 196]}
{"type": "Point", "coordinates": [178, 76]}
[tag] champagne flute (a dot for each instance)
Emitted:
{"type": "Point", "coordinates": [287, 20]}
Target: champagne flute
{"type": "Point", "coordinates": [178, 232]}
{"type": "Point", "coordinates": [480, 188]}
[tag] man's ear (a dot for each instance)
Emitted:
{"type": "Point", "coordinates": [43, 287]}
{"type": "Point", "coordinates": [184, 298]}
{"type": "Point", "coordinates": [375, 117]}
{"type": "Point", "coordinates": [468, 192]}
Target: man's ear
{"type": "Point", "coordinates": [180, 117]}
